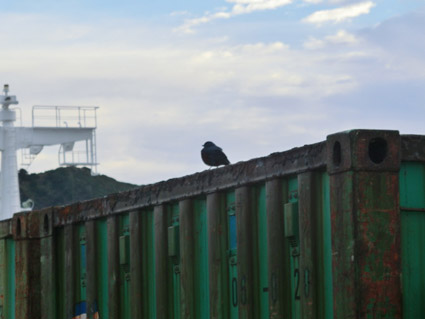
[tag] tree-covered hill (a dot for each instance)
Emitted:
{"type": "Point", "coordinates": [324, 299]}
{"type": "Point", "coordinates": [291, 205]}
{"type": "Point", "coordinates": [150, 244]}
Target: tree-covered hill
{"type": "Point", "coordinates": [66, 185]}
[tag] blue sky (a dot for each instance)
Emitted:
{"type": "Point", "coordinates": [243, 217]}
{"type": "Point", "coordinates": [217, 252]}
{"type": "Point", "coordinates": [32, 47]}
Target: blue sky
{"type": "Point", "coordinates": [254, 76]}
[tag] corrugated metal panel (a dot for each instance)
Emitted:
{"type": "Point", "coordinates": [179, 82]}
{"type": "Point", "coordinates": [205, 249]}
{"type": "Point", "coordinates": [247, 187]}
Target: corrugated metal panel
{"type": "Point", "coordinates": [147, 252]}
{"type": "Point", "coordinates": [261, 251]}
{"type": "Point", "coordinates": [125, 259]}
{"type": "Point", "coordinates": [9, 298]}
{"type": "Point", "coordinates": [232, 301]}
{"type": "Point", "coordinates": [174, 262]}
{"type": "Point", "coordinates": [7, 271]}
{"type": "Point", "coordinates": [60, 272]}
{"type": "Point", "coordinates": [200, 253]}
{"type": "Point", "coordinates": [412, 201]}
{"type": "Point", "coordinates": [309, 233]}
{"type": "Point", "coordinates": [293, 238]}
{"type": "Point", "coordinates": [102, 267]}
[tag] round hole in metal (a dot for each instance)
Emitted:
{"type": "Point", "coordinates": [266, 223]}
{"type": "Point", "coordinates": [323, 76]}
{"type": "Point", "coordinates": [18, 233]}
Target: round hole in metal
{"type": "Point", "coordinates": [378, 149]}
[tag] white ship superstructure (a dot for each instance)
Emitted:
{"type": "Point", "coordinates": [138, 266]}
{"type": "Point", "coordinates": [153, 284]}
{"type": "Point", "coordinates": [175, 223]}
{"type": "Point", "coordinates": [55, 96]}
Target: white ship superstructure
{"type": "Point", "coordinates": [51, 125]}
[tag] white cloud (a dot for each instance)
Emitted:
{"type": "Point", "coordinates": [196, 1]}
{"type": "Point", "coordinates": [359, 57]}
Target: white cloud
{"type": "Point", "coordinates": [240, 7]}
{"type": "Point", "coordinates": [161, 99]}
{"type": "Point", "coordinates": [151, 94]}
{"type": "Point", "coordinates": [313, 1]}
{"type": "Point", "coordinates": [248, 6]}
{"type": "Point", "coordinates": [342, 37]}
{"type": "Point", "coordinates": [178, 13]}
{"type": "Point", "coordinates": [340, 14]}
{"type": "Point", "coordinates": [314, 43]}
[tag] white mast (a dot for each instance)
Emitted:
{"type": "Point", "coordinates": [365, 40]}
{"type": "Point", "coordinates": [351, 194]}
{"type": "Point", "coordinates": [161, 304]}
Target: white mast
{"type": "Point", "coordinates": [34, 138]}
{"type": "Point", "coordinates": [9, 201]}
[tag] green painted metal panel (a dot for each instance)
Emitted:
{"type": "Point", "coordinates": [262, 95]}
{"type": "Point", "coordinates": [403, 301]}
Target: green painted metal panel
{"type": "Point", "coordinates": [102, 267]}
{"type": "Point", "coordinates": [323, 245]}
{"type": "Point", "coordinates": [291, 221]}
{"type": "Point", "coordinates": [6, 252]}
{"type": "Point", "coordinates": [260, 257]}
{"type": "Point", "coordinates": [60, 273]}
{"type": "Point", "coordinates": [10, 283]}
{"type": "Point", "coordinates": [201, 293]}
{"type": "Point", "coordinates": [47, 274]}
{"type": "Point", "coordinates": [217, 233]}
{"type": "Point", "coordinates": [175, 268]}
{"type": "Point", "coordinates": [326, 246]}
{"type": "Point", "coordinates": [246, 220]}
{"type": "Point", "coordinates": [294, 256]}
{"type": "Point", "coordinates": [412, 185]}
{"type": "Point", "coordinates": [187, 270]}
{"type": "Point", "coordinates": [173, 241]}
{"type": "Point", "coordinates": [139, 296]}
{"type": "Point", "coordinates": [163, 265]}
{"type": "Point", "coordinates": [151, 259]}
{"type": "Point", "coordinates": [114, 269]}
{"type": "Point", "coordinates": [278, 250]}
{"type": "Point", "coordinates": [3, 277]}
{"type": "Point", "coordinates": [124, 231]}
{"type": "Point", "coordinates": [412, 201]}
{"type": "Point", "coordinates": [343, 272]}
{"type": "Point", "coordinates": [148, 260]}
{"type": "Point", "coordinates": [232, 252]}
{"type": "Point", "coordinates": [124, 242]}
{"type": "Point", "coordinates": [82, 265]}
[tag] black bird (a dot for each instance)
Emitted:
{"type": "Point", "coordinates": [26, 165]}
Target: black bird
{"type": "Point", "coordinates": [212, 155]}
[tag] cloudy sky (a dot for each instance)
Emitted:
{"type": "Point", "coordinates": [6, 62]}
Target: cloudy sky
{"type": "Point", "coordinates": [254, 76]}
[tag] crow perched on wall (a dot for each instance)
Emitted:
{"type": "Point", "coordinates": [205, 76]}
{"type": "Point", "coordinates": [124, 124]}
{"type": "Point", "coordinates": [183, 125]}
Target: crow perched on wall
{"type": "Point", "coordinates": [212, 155]}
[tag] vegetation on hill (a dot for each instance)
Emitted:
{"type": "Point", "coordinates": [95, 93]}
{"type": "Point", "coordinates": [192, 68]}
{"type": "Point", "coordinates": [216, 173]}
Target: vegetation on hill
{"type": "Point", "coordinates": [66, 185]}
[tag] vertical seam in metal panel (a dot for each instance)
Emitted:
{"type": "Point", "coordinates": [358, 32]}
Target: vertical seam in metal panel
{"type": "Point", "coordinates": [161, 261]}
{"type": "Point", "coordinates": [217, 256]}
{"type": "Point", "coordinates": [69, 270]}
{"type": "Point", "coordinates": [244, 222]}
{"type": "Point", "coordinates": [186, 258]}
{"type": "Point", "coordinates": [3, 276]}
{"type": "Point", "coordinates": [136, 265]}
{"type": "Point", "coordinates": [113, 268]}
{"type": "Point", "coordinates": [307, 220]}
{"type": "Point", "coordinates": [48, 280]}
{"type": "Point", "coordinates": [102, 266]}
{"type": "Point", "coordinates": [276, 248]}
{"type": "Point", "coordinates": [91, 271]}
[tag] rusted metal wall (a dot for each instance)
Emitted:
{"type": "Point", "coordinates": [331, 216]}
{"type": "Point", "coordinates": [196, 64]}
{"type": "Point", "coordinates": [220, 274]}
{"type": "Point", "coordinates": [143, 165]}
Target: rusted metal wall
{"type": "Point", "coordinates": [7, 271]}
{"type": "Point", "coordinates": [366, 224]}
{"type": "Point", "coordinates": [313, 232]}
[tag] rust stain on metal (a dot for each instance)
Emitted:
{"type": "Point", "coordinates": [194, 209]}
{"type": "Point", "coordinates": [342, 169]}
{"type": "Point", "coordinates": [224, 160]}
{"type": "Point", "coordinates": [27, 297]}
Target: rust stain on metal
{"type": "Point", "coordinates": [413, 148]}
{"type": "Point", "coordinates": [378, 245]}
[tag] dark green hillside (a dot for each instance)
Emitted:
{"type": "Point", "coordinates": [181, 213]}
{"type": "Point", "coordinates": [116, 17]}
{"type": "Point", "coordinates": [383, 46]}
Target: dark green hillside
{"type": "Point", "coordinates": [66, 185]}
